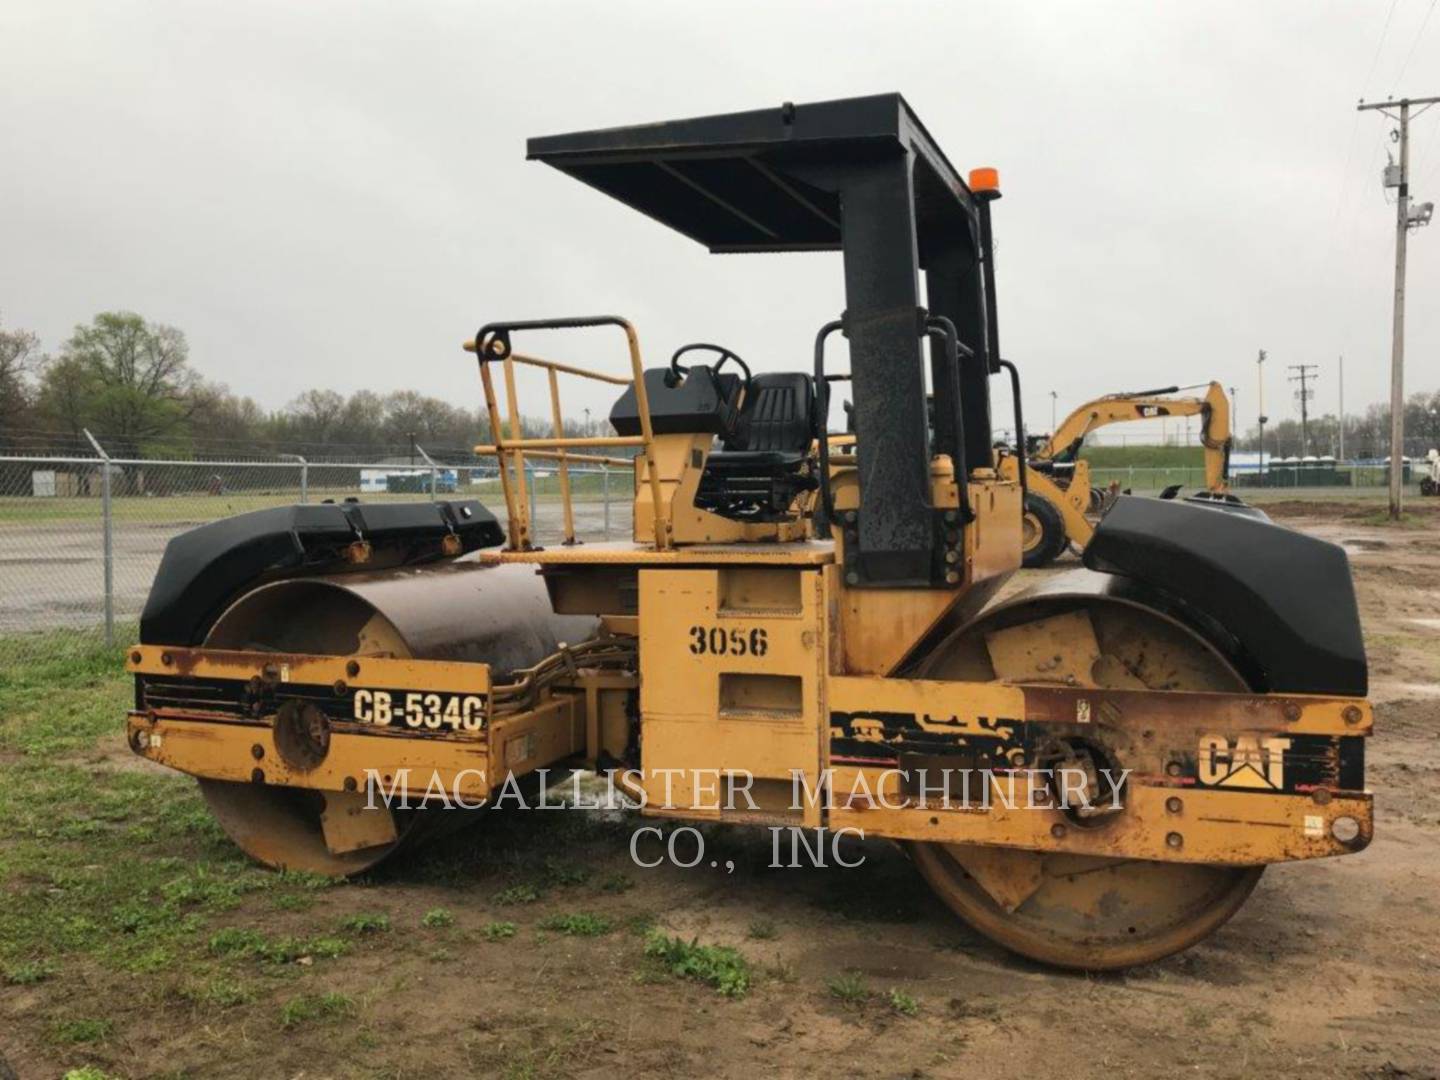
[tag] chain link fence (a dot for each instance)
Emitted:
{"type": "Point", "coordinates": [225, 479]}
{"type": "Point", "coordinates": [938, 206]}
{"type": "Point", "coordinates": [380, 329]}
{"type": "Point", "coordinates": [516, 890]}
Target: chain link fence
{"type": "Point", "coordinates": [81, 538]}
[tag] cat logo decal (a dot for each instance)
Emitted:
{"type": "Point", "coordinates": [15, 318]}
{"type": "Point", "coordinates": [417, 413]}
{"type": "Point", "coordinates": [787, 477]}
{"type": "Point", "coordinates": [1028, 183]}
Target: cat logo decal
{"type": "Point", "coordinates": [1245, 762]}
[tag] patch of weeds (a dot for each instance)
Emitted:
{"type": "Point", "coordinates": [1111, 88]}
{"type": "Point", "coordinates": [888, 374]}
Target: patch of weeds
{"type": "Point", "coordinates": [1197, 1016]}
{"type": "Point", "coordinates": [304, 879]}
{"type": "Point", "coordinates": [560, 874]}
{"type": "Point", "coordinates": [148, 961]}
{"type": "Point", "coordinates": [28, 972]}
{"type": "Point", "coordinates": [204, 887]}
{"type": "Point", "coordinates": [497, 931]}
{"type": "Point", "coordinates": [578, 925]}
{"type": "Point", "coordinates": [288, 950]}
{"type": "Point", "coordinates": [616, 883]}
{"type": "Point", "coordinates": [902, 1003]}
{"type": "Point", "coordinates": [59, 701]}
{"type": "Point", "coordinates": [640, 925]}
{"type": "Point", "coordinates": [763, 930]}
{"type": "Point", "coordinates": [524, 893]}
{"type": "Point", "coordinates": [436, 918]}
{"type": "Point", "coordinates": [236, 940]}
{"type": "Point", "coordinates": [289, 901]}
{"type": "Point", "coordinates": [975, 1008]}
{"type": "Point", "coordinates": [80, 1030]}
{"type": "Point", "coordinates": [220, 992]}
{"type": "Point", "coordinates": [782, 971]}
{"type": "Point", "coordinates": [311, 1007]}
{"type": "Point", "coordinates": [89, 1072]}
{"type": "Point", "coordinates": [362, 923]}
{"type": "Point", "coordinates": [718, 966]}
{"type": "Point", "coordinates": [243, 942]}
{"type": "Point", "coordinates": [849, 988]}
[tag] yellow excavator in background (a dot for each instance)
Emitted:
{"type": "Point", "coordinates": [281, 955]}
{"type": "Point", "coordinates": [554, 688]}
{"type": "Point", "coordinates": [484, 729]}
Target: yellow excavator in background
{"type": "Point", "coordinates": [1058, 493]}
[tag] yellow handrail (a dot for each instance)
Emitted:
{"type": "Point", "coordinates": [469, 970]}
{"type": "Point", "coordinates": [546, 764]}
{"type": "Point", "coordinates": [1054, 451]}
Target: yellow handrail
{"type": "Point", "coordinates": [511, 452]}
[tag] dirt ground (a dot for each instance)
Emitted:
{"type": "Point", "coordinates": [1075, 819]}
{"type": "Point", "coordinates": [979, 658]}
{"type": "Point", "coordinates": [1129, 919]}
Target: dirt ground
{"type": "Point", "coordinates": [1331, 970]}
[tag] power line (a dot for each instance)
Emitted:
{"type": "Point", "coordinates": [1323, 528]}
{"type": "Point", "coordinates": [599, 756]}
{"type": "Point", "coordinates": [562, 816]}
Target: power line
{"type": "Point", "coordinates": [1365, 85]}
{"type": "Point", "coordinates": [1416, 44]}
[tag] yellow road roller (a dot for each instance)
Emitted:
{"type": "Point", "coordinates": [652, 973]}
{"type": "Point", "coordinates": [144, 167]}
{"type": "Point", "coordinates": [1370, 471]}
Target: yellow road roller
{"type": "Point", "coordinates": [1093, 774]}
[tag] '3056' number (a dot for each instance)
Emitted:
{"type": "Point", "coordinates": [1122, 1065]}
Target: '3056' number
{"type": "Point", "coordinates": [718, 641]}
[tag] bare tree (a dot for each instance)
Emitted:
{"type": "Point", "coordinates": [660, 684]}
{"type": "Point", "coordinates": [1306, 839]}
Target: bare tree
{"type": "Point", "coordinates": [20, 358]}
{"type": "Point", "coordinates": [319, 416]}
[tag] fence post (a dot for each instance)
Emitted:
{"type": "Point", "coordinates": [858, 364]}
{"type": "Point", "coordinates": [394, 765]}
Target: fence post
{"type": "Point", "coordinates": [434, 468]}
{"type": "Point", "coordinates": [108, 538]}
{"type": "Point", "coordinates": [605, 492]}
{"type": "Point", "coordinates": [304, 475]}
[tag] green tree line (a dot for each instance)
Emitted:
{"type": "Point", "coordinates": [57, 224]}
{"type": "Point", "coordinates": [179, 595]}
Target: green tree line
{"type": "Point", "coordinates": [130, 382]}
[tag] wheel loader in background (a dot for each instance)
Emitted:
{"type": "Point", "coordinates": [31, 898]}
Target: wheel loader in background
{"type": "Point", "coordinates": [1202, 680]}
{"type": "Point", "coordinates": [1058, 493]}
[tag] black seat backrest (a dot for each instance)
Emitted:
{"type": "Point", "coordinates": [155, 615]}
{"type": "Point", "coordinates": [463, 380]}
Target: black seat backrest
{"type": "Point", "coordinates": [776, 416]}
{"type": "Point", "coordinates": [703, 403]}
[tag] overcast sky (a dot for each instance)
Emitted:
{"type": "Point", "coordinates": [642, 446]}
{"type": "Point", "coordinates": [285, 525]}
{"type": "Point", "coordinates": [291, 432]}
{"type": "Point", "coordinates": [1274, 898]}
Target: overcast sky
{"type": "Point", "coordinates": [335, 194]}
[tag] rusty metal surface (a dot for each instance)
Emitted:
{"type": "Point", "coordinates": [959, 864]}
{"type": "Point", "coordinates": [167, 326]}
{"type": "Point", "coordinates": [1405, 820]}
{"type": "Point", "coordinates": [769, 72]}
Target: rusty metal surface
{"type": "Point", "coordinates": [460, 611]}
{"type": "Point", "coordinates": [464, 610]}
{"type": "Point", "coordinates": [1089, 911]}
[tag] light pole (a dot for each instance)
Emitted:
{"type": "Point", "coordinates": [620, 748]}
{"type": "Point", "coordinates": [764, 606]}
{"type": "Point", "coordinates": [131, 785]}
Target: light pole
{"type": "Point", "coordinates": [1260, 399]}
{"type": "Point", "coordinates": [1053, 397]}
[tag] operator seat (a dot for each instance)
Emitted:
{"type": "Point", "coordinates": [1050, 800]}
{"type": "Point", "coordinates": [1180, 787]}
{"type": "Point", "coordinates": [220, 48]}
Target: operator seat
{"type": "Point", "coordinates": [761, 465]}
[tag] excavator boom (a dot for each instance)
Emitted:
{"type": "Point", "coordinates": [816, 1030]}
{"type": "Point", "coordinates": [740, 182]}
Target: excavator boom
{"type": "Point", "coordinates": [1214, 409]}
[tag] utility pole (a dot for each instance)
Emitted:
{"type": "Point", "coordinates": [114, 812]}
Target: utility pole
{"type": "Point", "coordinates": [1235, 410]}
{"type": "Point", "coordinates": [1303, 394]}
{"type": "Point", "coordinates": [1405, 220]}
{"type": "Point", "coordinates": [1260, 399]}
{"type": "Point", "coordinates": [1053, 397]}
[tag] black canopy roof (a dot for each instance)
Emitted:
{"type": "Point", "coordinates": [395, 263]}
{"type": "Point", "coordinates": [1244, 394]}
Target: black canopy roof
{"type": "Point", "coordinates": [765, 180]}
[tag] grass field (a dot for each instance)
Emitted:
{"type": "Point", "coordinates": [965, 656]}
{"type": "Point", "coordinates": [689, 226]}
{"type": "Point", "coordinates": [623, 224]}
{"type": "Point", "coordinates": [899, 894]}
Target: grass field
{"type": "Point", "coordinates": [1144, 457]}
{"type": "Point", "coordinates": [138, 941]}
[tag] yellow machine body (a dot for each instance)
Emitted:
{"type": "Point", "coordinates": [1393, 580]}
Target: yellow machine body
{"type": "Point", "coordinates": [794, 635]}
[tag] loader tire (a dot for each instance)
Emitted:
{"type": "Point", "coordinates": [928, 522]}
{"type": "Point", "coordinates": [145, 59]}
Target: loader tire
{"type": "Point", "coordinates": [1043, 535]}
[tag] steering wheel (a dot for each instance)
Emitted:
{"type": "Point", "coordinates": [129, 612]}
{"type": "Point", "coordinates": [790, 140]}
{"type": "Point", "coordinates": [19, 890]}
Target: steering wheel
{"type": "Point", "coordinates": [677, 371]}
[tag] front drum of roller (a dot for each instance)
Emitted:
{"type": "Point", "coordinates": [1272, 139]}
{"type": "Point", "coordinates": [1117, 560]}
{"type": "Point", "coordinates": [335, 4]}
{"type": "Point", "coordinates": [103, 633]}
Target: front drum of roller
{"type": "Point", "coordinates": [460, 611]}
